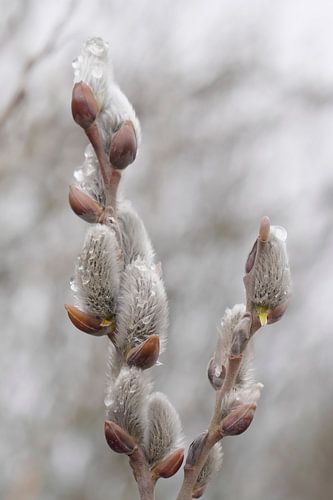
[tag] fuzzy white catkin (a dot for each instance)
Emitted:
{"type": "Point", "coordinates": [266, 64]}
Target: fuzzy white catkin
{"type": "Point", "coordinates": [212, 465]}
{"type": "Point", "coordinates": [135, 240]}
{"type": "Point", "coordinates": [229, 322]}
{"type": "Point", "coordinates": [142, 308]}
{"type": "Point", "coordinates": [125, 401]}
{"type": "Point", "coordinates": [272, 274]}
{"type": "Point", "coordinates": [97, 272]}
{"type": "Point", "coordinates": [115, 362]}
{"type": "Point", "coordinates": [163, 432]}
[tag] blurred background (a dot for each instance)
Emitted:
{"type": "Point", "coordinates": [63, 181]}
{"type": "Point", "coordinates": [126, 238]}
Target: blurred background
{"type": "Point", "coordinates": [235, 100]}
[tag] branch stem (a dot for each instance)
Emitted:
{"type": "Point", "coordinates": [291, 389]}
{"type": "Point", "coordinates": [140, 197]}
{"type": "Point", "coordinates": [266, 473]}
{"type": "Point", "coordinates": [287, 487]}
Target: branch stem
{"type": "Point", "coordinates": [95, 139]}
{"type": "Point", "coordinates": [214, 434]}
{"type": "Point", "coordinates": [142, 475]}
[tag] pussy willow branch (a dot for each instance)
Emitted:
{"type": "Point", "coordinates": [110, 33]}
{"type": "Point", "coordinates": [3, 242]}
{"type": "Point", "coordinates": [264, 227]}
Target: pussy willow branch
{"type": "Point", "coordinates": [215, 433]}
{"type": "Point", "coordinates": [141, 470]}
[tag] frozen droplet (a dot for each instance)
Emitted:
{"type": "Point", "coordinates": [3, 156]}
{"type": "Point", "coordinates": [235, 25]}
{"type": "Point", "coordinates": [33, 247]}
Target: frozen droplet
{"type": "Point", "coordinates": [89, 152]}
{"type": "Point", "coordinates": [76, 63]}
{"type": "Point", "coordinates": [217, 372]}
{"type": "Point", "coordinates": [78, 175]}
{"type": "Point", "coordinates": [108, 401]}
{"type": "Point", "coordinates": [97, 46]}
{"type": "Point", "coordinates": [279, 232]}
{"type": "Point", "coordinates": [89, 169]}
{"type": "Point", "coordinates": [72, 284]}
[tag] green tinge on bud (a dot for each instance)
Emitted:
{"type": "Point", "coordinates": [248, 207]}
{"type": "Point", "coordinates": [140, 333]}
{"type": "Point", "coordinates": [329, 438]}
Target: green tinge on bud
{"type": "Point", "coordinates": [118, 439]}
{"type": "Point", "coordinates": [146, 354]}
{"type": "Point", "coordinates": [238, 420]}
{"type": "Point", "coordinates": [89, 323]}
{"type": "Point", "coordinates": [84, 206]}
{"type": "Point", "coordinates": [216, 377]}
{"type": "Point", "coordinates": [84, 105]}
{"type": "Point", "coordinates": [123, 146]}
{"type": "Point", "coordinates": [169, 465]}
{"type": "Point", "coordinates": [195, 449]}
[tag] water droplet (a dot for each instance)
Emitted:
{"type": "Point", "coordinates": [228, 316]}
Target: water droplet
{"type": "Point", "coordinates": [89, 152]}
{"type": "Point", "coordinates": [97, 46]}
{"type": "Point", "coordinates": [76, 64]}
{"type": "Point", "coordinates": [78, 175]}
{"type": "Point", "coordinates": [72, 284]}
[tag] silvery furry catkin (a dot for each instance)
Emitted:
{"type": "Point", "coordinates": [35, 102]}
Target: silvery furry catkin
{"type": "Point", "coordinates": [118, 287]}
{"type": "Point", "coordinates": [119, 294]}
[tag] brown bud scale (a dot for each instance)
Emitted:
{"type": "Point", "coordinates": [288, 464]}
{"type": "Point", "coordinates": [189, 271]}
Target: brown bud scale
{"type": "Point", "coordinates": [84, 105]}
{"type": "Point", "coordinates": [89, 323]}
{"type": "Point", "coordinates": [123, 146]}
{"type": "Point", "coordinates": [216, 381]}
{"type": "Point", "coordinates": [118, 439]}
{"type": "Point", "coordinates": [169, 465]}
{"type": "Point", "coordinates": [84, 206]}
{"type": "Point", "coordinates": [146, 354]}
{"type": "Point", "coordinates": [238, 420]}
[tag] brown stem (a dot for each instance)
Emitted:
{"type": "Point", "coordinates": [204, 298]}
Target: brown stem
{"type": "Point", "coordinates": [142, 475]}
{"type": "Point", "coordinates": [94, 137]}
{"type": "Point", "coordinates": [191, 472]}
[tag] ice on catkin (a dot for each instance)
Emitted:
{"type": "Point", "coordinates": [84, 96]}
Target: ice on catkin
{"type": "Point", "coordinates": [142, 308]}
{"type": "Point", "coordinates": [97, 272]}
{"type": "Point", "coordinates": [125, 401]}
{"type": "Point", "coordinates": [163, 432]}
{"type": "Point", "coordinates": [92, 68]}
{"type": "Point", "coordinates": [88, 177]}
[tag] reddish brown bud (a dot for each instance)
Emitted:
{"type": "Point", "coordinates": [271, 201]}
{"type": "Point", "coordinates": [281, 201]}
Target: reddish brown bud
{"type": "Point", "coordinates": [215, 380]}
{"type": "Point", "coordinates": [83, 205]}
{"type": "Point", "coordinates": [238, 420]}
{"type": "Point", "coordinates": [89, 323]}
{"type": "Point", "coordinates": [123, 146]}
{"type": "Point", "coordinates": [198, 491]}
{"type": "Point", "coordinates": [118, 439]}
{"type": "Point", "coordinates": [251, 258]}
{"type": "Point", "coordinates": [169, 465]}
{"type": "Point", "coordinates": [241, 335]}
{"type": "Point", "coordinates": [276, 314]}
{"type": "Point", "coordinates": [146, 354]}
{"type": "Point", "coordinates": [195, 449]}
{"type": "Point", "coordinates": [84, 105]}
